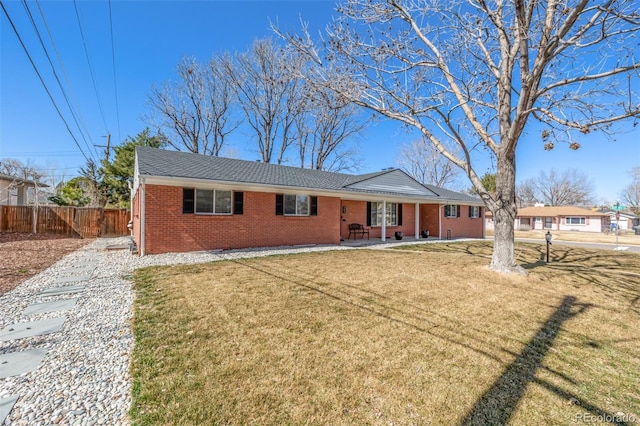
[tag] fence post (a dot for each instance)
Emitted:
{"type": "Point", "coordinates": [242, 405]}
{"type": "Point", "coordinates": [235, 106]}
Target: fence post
{"type": "Point", "coordinates": [35, 219]}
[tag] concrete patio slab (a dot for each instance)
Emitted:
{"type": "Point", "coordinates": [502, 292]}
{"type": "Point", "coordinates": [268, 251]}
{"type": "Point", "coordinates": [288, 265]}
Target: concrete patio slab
{"type": "Point", "coordinates": [73, 279]}
{"type": "Point", "coordinates": [65, 289]}
{"type": "Point", "coordinates": [16, 363]}
{"type": "Point", "coordinates": [32, 328]}
{"type": "Point", "coordinates": [46, 307]}
{"type": "Point", "coordinates": [6, 404]}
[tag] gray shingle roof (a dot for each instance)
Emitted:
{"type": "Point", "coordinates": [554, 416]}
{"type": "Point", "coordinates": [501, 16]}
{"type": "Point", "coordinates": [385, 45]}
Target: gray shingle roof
{"type": "Point", "coordinates": [452, 195]}
{"type": "Point", "coordinates": [164, 163]}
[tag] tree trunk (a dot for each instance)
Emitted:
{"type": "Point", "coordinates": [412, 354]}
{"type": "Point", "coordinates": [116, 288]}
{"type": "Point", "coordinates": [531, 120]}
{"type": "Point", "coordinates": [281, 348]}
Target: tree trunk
{"type": "Point", "coordinates": [504, 214]}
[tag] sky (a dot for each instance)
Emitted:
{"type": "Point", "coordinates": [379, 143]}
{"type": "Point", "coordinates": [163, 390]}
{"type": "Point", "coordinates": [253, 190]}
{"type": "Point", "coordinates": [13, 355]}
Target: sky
{"type": "Point", "coordinates": [109, 86]}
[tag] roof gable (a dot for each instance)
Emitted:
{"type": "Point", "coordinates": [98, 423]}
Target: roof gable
{"type": "Point", "coordinates": [392, 181]}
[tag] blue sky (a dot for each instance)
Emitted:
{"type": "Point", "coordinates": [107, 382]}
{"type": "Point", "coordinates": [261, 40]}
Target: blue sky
{"type": "Point", "coordinates": [150, 39]}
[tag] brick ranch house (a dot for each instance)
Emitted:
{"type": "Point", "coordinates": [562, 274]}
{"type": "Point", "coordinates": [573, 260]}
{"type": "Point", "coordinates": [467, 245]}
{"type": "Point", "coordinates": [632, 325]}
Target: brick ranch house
{"type": "Point", "coordinates": [189, 202]}
{"type": "Point", "coordinates": [561, 218]}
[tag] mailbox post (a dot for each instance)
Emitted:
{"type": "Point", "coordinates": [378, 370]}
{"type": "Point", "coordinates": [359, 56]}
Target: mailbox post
{"type": "Point", "coordinates": [548, 238]}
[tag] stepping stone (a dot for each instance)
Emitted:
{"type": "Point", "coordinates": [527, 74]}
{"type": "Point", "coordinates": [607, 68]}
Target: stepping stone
{"type": "Point", "coordinates": [65, 289]}
{"type": "Point", "coordinates": [32, 328]}
{"type": "Point", "coordinates": [46, 307]}
{"type": "Point", "coordinates": [88, 269]}
{"type": "Point", "coordinates": [16, 363]}
{"type": "Point", "coordinates": [83, 264]}
{"type": "Point", "coordinates": [6, 404]}
{"type": "Point", "coordinates": [73, 279]}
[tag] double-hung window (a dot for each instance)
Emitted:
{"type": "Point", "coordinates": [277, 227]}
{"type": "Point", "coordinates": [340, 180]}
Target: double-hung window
{"type": "Point", "coordinates": [213, 201]}
{"type": "Point", "coordinates": [474, 212]}
{"type": "Point", "coordinates": [296, 205]}
{"type": "Point", "coordinates": [450, 210]}
{"type": "Point", "coordinates": [391, 214]}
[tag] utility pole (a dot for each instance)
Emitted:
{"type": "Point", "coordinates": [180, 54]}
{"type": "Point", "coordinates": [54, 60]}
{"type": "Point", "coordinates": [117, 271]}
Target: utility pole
{"type": "Point", "coordinates": [107, 147]}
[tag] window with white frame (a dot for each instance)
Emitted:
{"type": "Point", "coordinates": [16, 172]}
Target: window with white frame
{"type": "Point", "coordinates": [474, 212]}
{"type": "Point", "coordinates": [296, 205]}
{"type": "Point", "coordinates": [450, 210]}
{"type": "Point", "coordinates": [578, 220]}
{"type": "Point", "coordinates": [213, 201]}
{"type": "Point", "coordinates": [391, 214]}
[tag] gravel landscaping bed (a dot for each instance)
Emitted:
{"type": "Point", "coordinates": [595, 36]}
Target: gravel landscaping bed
{"type": "Point", "coordinates": [84, 377]}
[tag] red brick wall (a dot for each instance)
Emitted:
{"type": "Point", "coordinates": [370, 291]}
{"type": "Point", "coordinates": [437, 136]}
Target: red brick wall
{"type": "Point", "coordinates": [463, 226]}
{"type": "Point", "coordinates": [429, 219]}
{"type": "Point", "coordinates": [460, 227]}
{"type": "Point", "coordinates": [167, 229]}
{"type": "Point", "coordinates": [357, 213]}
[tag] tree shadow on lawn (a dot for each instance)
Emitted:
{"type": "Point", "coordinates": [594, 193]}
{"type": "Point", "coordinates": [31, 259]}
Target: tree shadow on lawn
{"type": "Point", "coordinates": [368, 304]}
{"type": "Point", "coordinates": [616, 276]}
{"type": "Point", "coordinates": [498, 403]}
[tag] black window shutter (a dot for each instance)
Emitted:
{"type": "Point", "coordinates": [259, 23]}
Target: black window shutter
{"type": "Point", "coordinates": [188, 195]}
{"type": "Point", "coordinates": [279, 204]}
{"type": "Point", "coordinates": [470, 207]}
{"type": "Point", "coordinates": [399, 214]}
{"type": "Point", "coordinates": [238, 202]}
{"type": "Point", "coordinates": [314, 206]}
{"type": "Point", "coordinates": [457, 211]}
{"type": "Point", "coordinates": [368, 213]}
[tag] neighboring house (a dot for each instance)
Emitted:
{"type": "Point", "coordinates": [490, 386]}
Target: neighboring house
{"type": "Point", "coordinates": [561, 218]}
{"type": "Point", "coordinates": [15, 191]}
{"type": "Point", "coordinates": [187, 202]}
{"type": "Point", "coordinates": [626, 220]}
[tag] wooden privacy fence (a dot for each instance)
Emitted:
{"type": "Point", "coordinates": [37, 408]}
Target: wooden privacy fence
{"type": "Point", "coordinates": [72, 221]}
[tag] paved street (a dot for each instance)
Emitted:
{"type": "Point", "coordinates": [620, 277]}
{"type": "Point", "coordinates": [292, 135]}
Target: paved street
{"type": "Point", "coordinates": [597, 246]}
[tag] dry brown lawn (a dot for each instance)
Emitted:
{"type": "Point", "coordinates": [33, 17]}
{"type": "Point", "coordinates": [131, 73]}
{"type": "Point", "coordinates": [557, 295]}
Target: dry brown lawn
{"type": "Point", "coordinates": [421, 335]}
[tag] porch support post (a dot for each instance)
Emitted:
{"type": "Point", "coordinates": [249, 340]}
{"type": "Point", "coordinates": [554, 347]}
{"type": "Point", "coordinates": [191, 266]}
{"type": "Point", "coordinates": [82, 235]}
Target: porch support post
{"type": "Point", "coordinates": [417, 224]}
{"type": "Point", "coordinates": [383, 236]}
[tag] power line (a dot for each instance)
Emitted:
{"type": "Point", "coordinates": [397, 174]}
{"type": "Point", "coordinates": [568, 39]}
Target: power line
{"type": "Point", "coordinates": [113, 61]}
{"type": "Point", "coordinates": [55, 74]}
{"type": "Point", "coordinates": [35, 68]}
{"type": "Point", "coordinates": [35, 154]}
{"type": "Point", "coordinates": [93, 79]}
{"type": "Point", "coordinates": [66, 76]}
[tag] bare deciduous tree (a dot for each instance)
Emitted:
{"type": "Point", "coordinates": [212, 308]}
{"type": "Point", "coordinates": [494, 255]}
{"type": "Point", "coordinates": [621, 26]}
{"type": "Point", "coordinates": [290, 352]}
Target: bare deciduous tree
{"type": "Point", "coordinates": [24, 170]}
{"type": "Point", "coordinates": [631, 193]}
{"type": "Point", "coordinates": [27, 171]}
{"type": "Point", "coordinates": [324, 129]}
{"type": "Point", "coordinates": [194, 112]}
{"type": "Point", "coordinates": [526, 194]}
{"type": "Point", "coordinates": [269, 94]}
{"type": "Point", "coordinates": [422, 161]}
{"type": "Point", "coordinates": [478, 73]}
{"type": "Point", "coordinates": [566, 188]}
